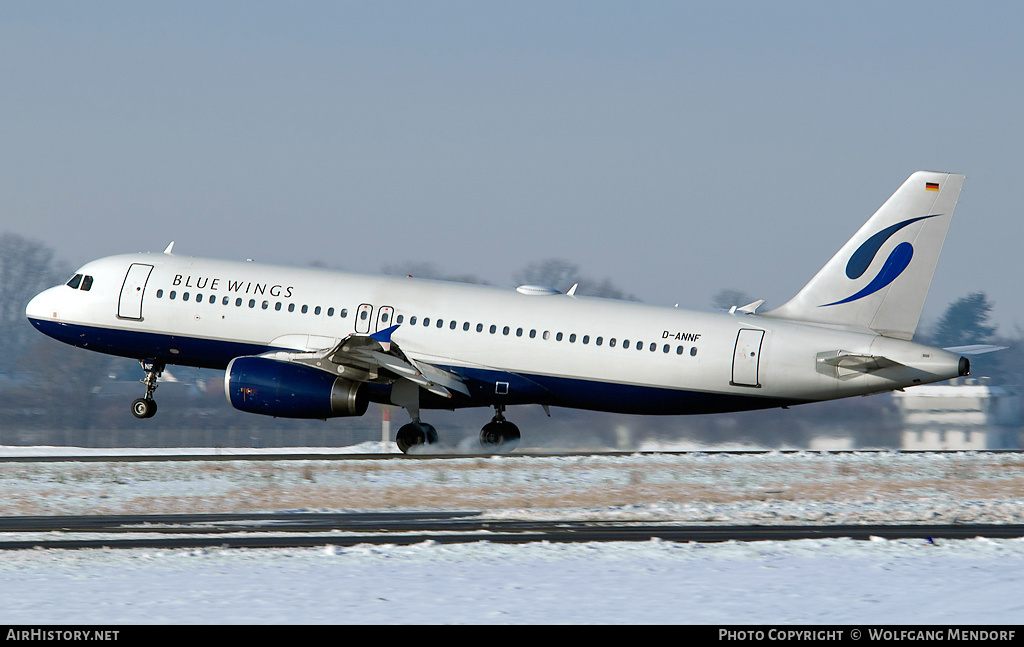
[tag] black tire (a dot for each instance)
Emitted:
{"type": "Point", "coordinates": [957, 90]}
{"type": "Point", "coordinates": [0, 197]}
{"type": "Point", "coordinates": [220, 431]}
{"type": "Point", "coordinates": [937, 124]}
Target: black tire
{"type": "Point", "coordinates": [144, 408]}
{"type": "Point", "coordinates": [499, 436]}
{"type": "Point", "coordinates": [415, 433]}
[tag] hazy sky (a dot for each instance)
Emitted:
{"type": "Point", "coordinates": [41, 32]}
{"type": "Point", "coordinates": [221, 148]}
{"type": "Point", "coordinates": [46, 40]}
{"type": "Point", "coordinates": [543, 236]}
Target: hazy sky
{"type": "Point", "coordinates": [677, 148]}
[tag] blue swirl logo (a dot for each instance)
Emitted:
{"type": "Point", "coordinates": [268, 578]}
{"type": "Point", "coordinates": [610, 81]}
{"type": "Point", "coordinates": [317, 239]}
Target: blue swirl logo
{"type": "Point", "coordinates": [899, 259]}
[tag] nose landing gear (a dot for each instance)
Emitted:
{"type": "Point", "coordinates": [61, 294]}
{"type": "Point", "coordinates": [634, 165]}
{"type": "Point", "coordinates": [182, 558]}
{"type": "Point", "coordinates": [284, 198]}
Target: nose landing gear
{"type": "Point", "coordinates": [146, 407]}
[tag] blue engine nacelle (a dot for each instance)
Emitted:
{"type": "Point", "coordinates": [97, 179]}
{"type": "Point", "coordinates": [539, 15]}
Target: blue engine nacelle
{"type": "Point", "coordinates": [287, 390]}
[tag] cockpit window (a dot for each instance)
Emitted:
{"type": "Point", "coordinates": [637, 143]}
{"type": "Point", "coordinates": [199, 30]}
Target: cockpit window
{"type": "Point", "coordinates": [80, 282]}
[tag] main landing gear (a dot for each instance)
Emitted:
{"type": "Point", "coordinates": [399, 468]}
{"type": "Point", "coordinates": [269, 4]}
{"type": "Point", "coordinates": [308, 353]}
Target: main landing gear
{"type": "Point", "coordinates": [415, 433]}
{"type": "Point", "coordinates": [497, 436]}
{"type": "Point", "coordinates": [146, 407]}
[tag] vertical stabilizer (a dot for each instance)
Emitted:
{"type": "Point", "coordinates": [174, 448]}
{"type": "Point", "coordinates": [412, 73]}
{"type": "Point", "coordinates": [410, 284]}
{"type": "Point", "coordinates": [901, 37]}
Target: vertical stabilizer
{"type": "Point", "coordinates": [880, 278]}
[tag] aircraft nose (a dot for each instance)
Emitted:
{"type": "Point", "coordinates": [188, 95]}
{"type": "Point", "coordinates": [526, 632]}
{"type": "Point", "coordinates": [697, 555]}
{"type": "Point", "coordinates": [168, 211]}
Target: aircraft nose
{"type": "Point", "coordinates": [42, 306]}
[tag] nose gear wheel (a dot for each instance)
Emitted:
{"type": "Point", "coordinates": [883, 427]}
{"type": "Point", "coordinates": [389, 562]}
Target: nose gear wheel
{"type": "Point", "coordinates": [146, 407]}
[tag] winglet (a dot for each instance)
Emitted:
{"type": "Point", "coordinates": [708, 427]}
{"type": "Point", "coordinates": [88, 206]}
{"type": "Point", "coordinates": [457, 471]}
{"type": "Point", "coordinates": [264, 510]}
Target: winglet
{"type": "Point", "coordinates": [168, 249]}
{"type": "Point", "coordinates": [384, 336]}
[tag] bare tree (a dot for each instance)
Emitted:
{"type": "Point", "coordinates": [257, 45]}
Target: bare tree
{"type": "Point", "coordinates": [428, 270]}
{"type": "Point", "coordinates": [728, 297]}
{"type": "Point", "coordinates": [562, 275]}
{"type": "Point", "coordinates": [27, 267]}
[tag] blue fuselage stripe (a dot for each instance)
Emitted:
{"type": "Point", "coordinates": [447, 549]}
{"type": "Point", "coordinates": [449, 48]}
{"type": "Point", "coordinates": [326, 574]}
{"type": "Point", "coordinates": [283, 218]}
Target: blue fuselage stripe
{"type": "Point", "coordinates": [487, 387]}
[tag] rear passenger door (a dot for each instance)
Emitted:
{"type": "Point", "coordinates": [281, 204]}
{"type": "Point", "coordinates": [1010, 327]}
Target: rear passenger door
{"type": "Point", "coordinates": [746, 358]}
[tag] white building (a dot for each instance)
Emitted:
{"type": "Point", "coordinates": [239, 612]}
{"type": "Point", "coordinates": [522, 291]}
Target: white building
{"type": "Point", "coordinates": [965, 413]}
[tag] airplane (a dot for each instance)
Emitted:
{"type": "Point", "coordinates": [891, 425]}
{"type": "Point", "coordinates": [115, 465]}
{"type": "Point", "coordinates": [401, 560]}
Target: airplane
{"type": "Point", "coordinates": [313, 343]}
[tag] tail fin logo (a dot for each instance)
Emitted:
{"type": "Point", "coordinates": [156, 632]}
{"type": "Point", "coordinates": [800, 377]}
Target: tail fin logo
{"type": "Point", "coordinates": [898, 261]}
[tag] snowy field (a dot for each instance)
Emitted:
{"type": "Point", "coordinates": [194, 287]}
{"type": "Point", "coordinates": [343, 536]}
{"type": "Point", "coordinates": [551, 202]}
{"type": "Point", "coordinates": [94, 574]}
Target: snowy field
{"type": "Point", "coordinates": [829, 581]}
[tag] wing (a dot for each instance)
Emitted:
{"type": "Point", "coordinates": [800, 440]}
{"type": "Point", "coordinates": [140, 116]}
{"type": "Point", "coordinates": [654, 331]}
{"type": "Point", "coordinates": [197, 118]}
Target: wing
{"type": "Point", "coordinates": [367, 358]}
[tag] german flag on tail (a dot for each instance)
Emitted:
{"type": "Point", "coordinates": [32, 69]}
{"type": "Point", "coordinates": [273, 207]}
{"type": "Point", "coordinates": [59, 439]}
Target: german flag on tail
{"type": "Point", "coordinates": [931, 186]}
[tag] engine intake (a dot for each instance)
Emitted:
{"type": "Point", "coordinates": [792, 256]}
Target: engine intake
{"type": "Point", "coordinates": [286, 390]}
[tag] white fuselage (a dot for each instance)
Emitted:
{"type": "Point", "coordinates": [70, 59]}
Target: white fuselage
{"type": "Point", "coordinates": [508, 347]}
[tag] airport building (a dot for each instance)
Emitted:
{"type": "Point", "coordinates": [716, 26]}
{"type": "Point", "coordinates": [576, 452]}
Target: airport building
{"type": "Point", "coordinates": [964, 414]}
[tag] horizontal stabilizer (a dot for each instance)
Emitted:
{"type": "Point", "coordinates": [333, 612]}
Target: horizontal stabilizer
{"type": "Point", "coordinates": [975, 349]}
{"type": "Point", "coordinates": [841, 363]}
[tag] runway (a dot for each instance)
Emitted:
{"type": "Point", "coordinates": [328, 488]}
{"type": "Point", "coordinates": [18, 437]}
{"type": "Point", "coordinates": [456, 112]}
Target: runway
{"type": "Point", "coordinates": [303, 530]}
{"type": "Point", "coordinates": [442, 455]}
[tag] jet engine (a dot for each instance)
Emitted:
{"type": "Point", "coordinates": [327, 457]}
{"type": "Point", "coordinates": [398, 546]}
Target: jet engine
{"type": "Point", "coordinates": [288, 390]}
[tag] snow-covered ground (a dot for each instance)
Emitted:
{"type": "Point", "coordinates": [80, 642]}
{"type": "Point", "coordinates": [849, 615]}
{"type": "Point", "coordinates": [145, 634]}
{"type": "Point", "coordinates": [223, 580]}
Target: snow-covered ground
{"type": "Point", "coordinates": [949, 582]}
